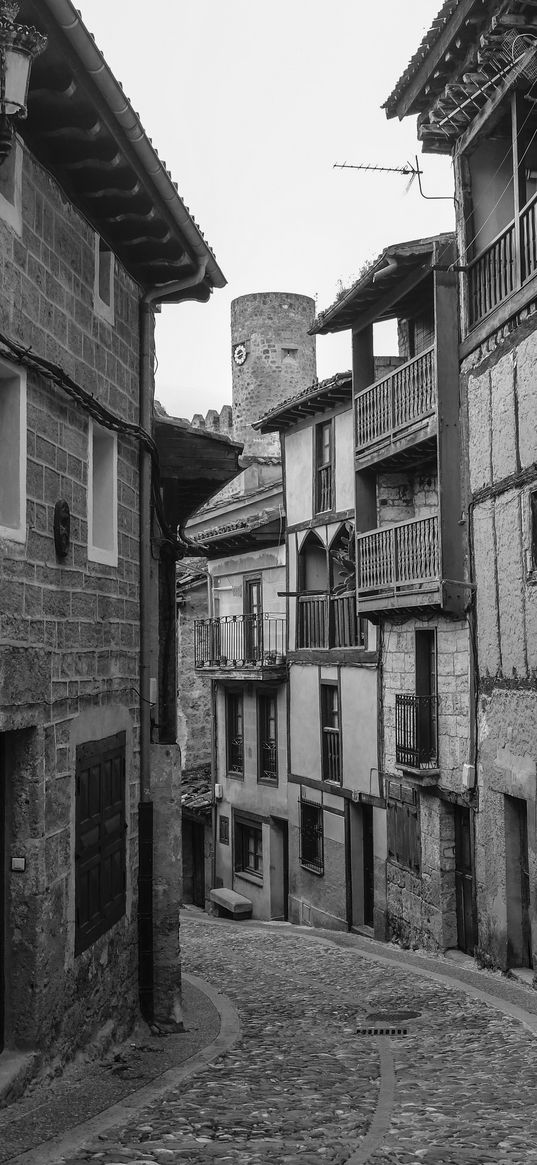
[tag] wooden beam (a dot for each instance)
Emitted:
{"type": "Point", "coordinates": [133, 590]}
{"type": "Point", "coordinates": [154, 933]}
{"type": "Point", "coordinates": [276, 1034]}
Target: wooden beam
{"type": "Point", "coordinates": [492, 105]}
{"type": "Point", "coordinates": [404, 103]}
{"type": "Point", "coordinates": [391, 298]}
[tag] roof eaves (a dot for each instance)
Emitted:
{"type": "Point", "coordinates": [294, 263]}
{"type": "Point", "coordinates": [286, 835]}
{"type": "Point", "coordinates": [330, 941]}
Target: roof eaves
{"type": "Point", "coordinates": [394, 104]}
{"type": "Point", "coordinates": [67, 18]}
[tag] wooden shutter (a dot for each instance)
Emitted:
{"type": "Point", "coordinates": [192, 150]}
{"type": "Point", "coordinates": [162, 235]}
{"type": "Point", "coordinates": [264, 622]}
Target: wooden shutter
{"type": "Point", "coordinates": [100, 838]}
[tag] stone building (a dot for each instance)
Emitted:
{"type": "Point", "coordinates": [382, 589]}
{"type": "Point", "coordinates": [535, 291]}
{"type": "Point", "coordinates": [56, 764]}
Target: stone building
{"type": "Point", "coordinates": [241, 645]}
{"type": "Point", "coordinates": [471, 84]}
{"type": "Point", "coordinates": [405, 447]}
{"type": "Point", "coordinates": [93, 235]}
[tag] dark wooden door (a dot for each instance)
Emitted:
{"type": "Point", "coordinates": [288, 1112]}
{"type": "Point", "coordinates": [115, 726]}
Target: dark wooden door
{"type": "Point", "coordinates": [253, 616]}
{"type": "Point", "coordinates": [198, 864]}
{"type": "Point", "coordinates": [369, 870]}
{"type": "Point", "coordinates": [525, 885]}
{"type": "Point", "coordinates": [466, 937]}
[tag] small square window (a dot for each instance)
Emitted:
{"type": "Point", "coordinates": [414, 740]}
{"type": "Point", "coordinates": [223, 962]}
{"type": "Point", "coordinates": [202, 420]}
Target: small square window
{"type": "Point", "coordinates": [12, 452]}
{"type": "Point", "coordinates": [223, 834]}
{"type": "Point", "coordinates": [248, 848]}
{"type": "Point", "coordinates": [103, 288]}
{"type": "Point", "coordinates": [102, 496]}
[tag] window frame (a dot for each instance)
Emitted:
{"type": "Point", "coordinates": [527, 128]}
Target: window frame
{"type": "Point", "coordinates": [105, 555]}
{"type": "Point", "coordinates": [319, 465]}
{"type": "Point", "coordinates": [102, 253]}
{"type": "Point", "coordinates": [247, 830]}
{"type": "Point", "coordinates": [263, 699]}
{"type": "Point", "coordinates": [314, 809]}
{"type": "Point", "coordinates": [15, 376]}
{"type": "Point", "coordinates": [329, 731]}
{"type": "Point", "coordinates": [234, 700]}
{"type": "Point", "coordinates": [110, 823]}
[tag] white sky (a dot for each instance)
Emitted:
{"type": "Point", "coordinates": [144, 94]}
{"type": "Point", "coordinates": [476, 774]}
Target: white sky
{"type": "Point", "coordinates": [250, 104]}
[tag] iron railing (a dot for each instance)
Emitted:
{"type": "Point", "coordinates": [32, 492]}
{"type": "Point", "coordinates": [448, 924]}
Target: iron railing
{"type": "Point", "coordinates": [235, 755]}
{"type": "Point", "coordinates": [269, 761]}
{"type": "Point", "coordinates": [331, 755]}
{"type": "Point", "coordinates": [416, 735]}
{"type": "Point", "coordinates": [398, 556]}
{"type": "Point", "coordinates": [328, 621]}
{"type": "Point", "coordinates": [240, 641]}
{"type": "Point", "coordinates": [384, 410]}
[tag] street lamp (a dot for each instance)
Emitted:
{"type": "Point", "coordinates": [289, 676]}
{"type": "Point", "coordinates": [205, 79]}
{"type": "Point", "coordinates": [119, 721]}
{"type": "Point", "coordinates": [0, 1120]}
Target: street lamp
{"type": "Point", "coordinates": [19, 44]}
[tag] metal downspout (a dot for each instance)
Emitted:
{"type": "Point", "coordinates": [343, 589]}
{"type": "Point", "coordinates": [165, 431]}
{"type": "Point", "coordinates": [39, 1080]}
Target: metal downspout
{"type": "Point", "coordinates": [145, 809]}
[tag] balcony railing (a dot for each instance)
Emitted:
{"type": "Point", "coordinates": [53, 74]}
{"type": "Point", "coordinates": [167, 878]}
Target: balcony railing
{"type": "Point", "coordinates": [416, 743]}
{"type": "Point", "coordinates": [491, 276]}
{"type": "Point", "coordinates": [331, 755]}
{"type": "Point", "coordinates": [398, 557]}
{"type": "Point", "coordinates": [386, 409]}
{"type": "Point", "coordinates": [328, 621]}
{"type": "Point", "coordinates": [238, 641]}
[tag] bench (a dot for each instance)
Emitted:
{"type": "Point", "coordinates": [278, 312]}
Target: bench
{"type": "Point", "coordinates": [235, 904]}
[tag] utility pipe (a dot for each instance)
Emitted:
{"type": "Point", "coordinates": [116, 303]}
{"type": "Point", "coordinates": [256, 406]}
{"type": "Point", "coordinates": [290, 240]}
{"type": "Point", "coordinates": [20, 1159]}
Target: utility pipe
{"type": "Point", "coordinates": [151, 297]}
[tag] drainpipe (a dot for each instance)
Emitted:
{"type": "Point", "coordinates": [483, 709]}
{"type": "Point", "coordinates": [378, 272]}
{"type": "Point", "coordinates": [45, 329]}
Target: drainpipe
{"type": "Point", "coordinates": [145, 809]}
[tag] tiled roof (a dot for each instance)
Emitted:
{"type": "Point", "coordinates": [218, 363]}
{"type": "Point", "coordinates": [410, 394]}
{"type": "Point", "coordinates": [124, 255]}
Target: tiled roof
{"type": "Point", "coordinates": [315, 398]}
{"type": "Point", "coordinates": [196, 792]}
{"type": "Point", "coordinates": [426, 45]}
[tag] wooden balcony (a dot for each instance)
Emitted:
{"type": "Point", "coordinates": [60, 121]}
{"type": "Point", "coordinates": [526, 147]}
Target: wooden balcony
{"type": "Point", "coordinates": [399, 565]}
{"type": "Point", "coordinates": [241, 646]}
{"type": "Point", "coordinates": [325, 621]}
{"type": "Point", "coordinates": [416, 734]}
{"type": "Point", "coordinates": [504, 266]}
{"type": "Point", "coordinates": [398, 412]}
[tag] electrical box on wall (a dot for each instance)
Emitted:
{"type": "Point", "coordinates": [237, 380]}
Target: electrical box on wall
{"type": "Point", "coordinates": [218, 792]}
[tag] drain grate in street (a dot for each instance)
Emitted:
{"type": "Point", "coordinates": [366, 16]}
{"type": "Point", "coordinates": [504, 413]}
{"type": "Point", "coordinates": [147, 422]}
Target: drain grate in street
{"type": "Point", "coordinates": [386, 1023]}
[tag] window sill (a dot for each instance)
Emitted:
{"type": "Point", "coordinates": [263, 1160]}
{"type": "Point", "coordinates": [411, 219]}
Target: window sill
{"type": "Point", "coordinates": [318, 871]}
{"type": "Point", "coordinates": [272, 784]}
{"type": "Point", "coordinates": [247, 876]}
{"type": "Point", "coordinates": [235, 776]}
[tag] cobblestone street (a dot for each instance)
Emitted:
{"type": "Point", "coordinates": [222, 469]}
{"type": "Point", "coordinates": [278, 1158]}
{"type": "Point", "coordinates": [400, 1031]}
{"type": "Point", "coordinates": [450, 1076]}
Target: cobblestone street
{"type": "Point", "coordinates": [301, 1085]}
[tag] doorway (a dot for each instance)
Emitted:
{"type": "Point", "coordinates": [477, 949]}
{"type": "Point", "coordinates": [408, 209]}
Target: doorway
{"type": "Point", "coordinates": [194, 862]}
{"type": "Point", "coordinates": [253, 619]}
{"type": "Point", "coordinates": [517, 883]}
{"type": "Point", "coordinates": [464, 876]}
{"type": "Point", "coordinates": [279, 869]}
{"type": "Point", "coordinates": [2, 887]}
{"type": "Point", "coordinates": [362, 865]}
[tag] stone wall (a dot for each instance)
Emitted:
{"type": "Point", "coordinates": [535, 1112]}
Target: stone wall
{"type": "Point", "coordinates": [280, 360]}
{"type": "Point", "coordinates": [193, 687]}
{"type": "Point", "coordinates": [69, 659]}
{"type": "Point", "coordinates": [499, 381]}
{"type": "Point", "coordinates": [403, 496]}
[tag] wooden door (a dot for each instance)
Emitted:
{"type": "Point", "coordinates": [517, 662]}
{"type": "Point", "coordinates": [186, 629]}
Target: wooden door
{"type": "Point", "coordinates": [466, 937]}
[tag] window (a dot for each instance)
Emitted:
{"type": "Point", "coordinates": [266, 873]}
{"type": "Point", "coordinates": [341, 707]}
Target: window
{"type": "Point", "coordinates": [223, 829]}
{"type": "Point", "coordinates": [326, 605]}
{"type": "Point", "coordinates": [234, 734]}
{"type": "Point", "coordinates": [253, 620]}
{"type": "Point", "coordinates": [311, 835]}
{"type": "Point", "coordinates": [102, 496]}
{"type": "Point", "coordinates": [331, 747]}
{"type": "Point", "coordinates": [324, 467]}
{"type": "Point", "coordinates": [11, 188]}
{"type": "Point", "coordinates": [103, 288]}
{"type": "Point", "coordinates": [100, 838]}
{"type": "Point", "coordinates": [248, 848]}
{"type": "Point", "coordinates": [12, 453]}
{"type": "Point", "coordinates": [404, 843]}
{"type": "Point", "coordinates": [267, 761]}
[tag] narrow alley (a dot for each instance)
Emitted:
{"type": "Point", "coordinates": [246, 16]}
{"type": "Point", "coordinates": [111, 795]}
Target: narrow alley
{"type": "Point", "coordinates": [303, 1084]}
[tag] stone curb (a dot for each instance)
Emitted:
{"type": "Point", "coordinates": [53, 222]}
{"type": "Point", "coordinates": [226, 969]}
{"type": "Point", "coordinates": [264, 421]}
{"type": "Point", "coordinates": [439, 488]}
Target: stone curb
{"type": "Point", "coordinates": [51, 1152]}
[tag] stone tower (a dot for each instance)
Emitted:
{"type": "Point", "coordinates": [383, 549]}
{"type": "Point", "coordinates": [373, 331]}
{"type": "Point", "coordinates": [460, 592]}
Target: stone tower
{"type": "Point", "coordinates": [272, 359]}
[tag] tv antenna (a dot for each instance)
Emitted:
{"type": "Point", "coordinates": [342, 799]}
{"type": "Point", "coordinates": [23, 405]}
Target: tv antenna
{"type": "Point", "coordinates": [408, 171]}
